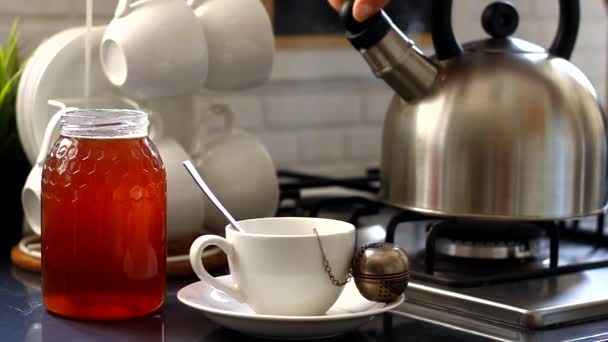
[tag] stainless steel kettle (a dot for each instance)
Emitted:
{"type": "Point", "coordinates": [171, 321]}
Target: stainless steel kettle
{"type": "Point", "coordinates": [496, 129]}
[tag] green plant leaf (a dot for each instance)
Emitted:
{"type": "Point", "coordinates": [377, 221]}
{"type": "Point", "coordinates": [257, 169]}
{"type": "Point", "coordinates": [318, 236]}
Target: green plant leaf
{"type": "Point", "coordinates": [3, 75]}
{"type": "Point", "coordinates": [9, 55]}
{"type": "Point", "coordinates": [10, 87]}
{"type": "Point", "coordinates": [11, 69]}
{"type": "Point", "coordinates": [12, 50]}
{"type": "Point", "coordinates": [7, 94]}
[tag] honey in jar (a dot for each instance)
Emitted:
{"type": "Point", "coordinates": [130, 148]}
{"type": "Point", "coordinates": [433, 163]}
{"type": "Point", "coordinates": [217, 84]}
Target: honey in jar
{"type": "Point", "coordinates": [103, 218]}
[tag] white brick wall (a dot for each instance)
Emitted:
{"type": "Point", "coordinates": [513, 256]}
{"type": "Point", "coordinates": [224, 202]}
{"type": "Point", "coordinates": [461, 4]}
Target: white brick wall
{"type": "Point", "coordinates": [318, 106]}
{"type": "Point", "coordinates": [363, 143]}
{"type": "Point", "coordinates": [325, 145]}
{"type": "Point", "coordinates": [283, 146]}
{"type": "Point", "coordinates": [322, 108]}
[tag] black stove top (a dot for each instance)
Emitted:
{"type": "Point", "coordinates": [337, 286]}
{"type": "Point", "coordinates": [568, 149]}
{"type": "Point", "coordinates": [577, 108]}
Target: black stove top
{"type": "Point", "coordinates": [491, 251]}
{"type": "Point", "coordinates": [511, 275]}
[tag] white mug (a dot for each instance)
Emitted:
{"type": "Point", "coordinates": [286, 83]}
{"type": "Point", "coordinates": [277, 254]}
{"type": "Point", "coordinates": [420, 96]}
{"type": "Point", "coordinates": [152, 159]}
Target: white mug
{"type": "Point", "coordinates": [31, 193]}
{"type": "Point", "coordinates": [155, 48]}
{"type": "Point", "coordinates": [32, 189]}
{"type": "Point", "coordinates": [185, 202]}
{"type": "Point", "coordinates": [277, 265]}
{"type": "Point", "coordinates": [239, 170]}
{"type": "Point", "coordinates": [240, 41]}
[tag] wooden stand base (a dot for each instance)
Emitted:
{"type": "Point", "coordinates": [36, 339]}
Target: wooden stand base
{"type": "Point", "coordinates": [25, 255]}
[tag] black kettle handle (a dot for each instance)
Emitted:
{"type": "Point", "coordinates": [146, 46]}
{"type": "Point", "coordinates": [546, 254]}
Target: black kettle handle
{"type": "Point", "coordinates": [446, 45]}
{"type": "Point", "coordinates": [444, 41]}
{"type": "Point", "coordinates": [569, 22]}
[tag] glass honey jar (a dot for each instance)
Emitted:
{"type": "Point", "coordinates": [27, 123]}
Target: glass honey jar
{"type": "Point", "coordinates": [104, 212]}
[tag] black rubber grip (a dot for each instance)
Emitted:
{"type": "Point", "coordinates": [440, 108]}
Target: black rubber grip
{"type": "Point", "coordinates": [364, 35]}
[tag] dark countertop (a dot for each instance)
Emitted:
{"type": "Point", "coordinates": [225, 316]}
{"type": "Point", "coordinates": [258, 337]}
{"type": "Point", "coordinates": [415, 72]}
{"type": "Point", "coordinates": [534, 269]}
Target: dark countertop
{"type": "Point", "coordinates": [23, 318]}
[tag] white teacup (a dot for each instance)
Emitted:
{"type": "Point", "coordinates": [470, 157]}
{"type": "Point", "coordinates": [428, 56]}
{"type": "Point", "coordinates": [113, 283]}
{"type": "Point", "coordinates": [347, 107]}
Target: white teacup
{"type": "Point", "coordinates": [239, 170]}
{"type": "Point", "coordinates": [240, 41]}
{"type": "Point", "coordinates": [155, 48]}
{"type": "Point", "coordinates": [277, 266]}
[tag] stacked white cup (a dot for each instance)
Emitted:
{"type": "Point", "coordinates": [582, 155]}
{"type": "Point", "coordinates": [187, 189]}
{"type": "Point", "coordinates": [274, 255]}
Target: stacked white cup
{"type": "Point", "coordinates": [238, 169]}
{"type": "Point", "coordinates": [158, 48]}
{"type": "Point", "coordinates": [162, 48]}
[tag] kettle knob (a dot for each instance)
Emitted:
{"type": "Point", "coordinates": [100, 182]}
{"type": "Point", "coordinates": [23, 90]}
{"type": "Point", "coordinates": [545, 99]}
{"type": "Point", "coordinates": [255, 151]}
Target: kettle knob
{"type": "Point", "coordinates": [500, 20]}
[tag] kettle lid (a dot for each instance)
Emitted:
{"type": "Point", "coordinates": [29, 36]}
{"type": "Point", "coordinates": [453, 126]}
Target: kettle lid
{"type": "Point", "coordinates": [500, 19]}
{"type": "Point", "coordinates": [503, 45]}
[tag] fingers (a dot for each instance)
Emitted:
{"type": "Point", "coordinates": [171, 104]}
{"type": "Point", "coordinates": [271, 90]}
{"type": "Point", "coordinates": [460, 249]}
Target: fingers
{"type": "Point", "coordinates": [367, 8]}
{"type": "Point", "coordinates": [363, 8]}
{"type": "Point", "coordinates": [336, 4]}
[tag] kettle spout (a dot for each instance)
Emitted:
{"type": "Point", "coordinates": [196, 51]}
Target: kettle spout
{"type": "Point", "coordinates": [391, 55]}
{"type": "Point", "coordinates": [398, 61]}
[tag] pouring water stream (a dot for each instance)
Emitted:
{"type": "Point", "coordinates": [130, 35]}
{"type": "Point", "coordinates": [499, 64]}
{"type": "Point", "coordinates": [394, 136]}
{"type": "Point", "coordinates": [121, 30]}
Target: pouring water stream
{"type": "Point", "coordinates": [87, 49]}
{"type": "Point", "coordinates": [201, 184]}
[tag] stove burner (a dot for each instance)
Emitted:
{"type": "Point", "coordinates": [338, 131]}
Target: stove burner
{"type": "Point", "coordinates": [465, 270]}
{"type": "Point", "coordinates": [440, 269]}
{"type": "Point", "coordinates": [488, 240]}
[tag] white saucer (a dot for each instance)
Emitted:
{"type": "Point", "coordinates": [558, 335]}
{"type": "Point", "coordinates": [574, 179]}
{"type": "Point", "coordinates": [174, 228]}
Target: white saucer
{"type": "Point", "coordinates": [35, 65]}
{"type": "Point", "coordinates": [56, 70]}
{"type": "Point", "coordinates": [348, 313]}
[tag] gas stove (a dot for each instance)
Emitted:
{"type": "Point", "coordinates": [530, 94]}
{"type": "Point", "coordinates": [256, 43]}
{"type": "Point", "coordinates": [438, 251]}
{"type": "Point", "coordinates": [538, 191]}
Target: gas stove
{"type": "Point", "coordinates": [503, 280]}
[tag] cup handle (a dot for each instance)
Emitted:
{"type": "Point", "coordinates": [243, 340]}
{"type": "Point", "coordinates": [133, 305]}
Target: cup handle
{"type": "Point", "coordinates": [226, 112]}
{"type": "Point", "coordinates": [49, 131]}
{"type": "Point", "coordinates": [198, 147]}
{"type": "Point", "coordinates": [157, 127]}
{"type": "Point", "coordinates": [196, 253]}
{"type": "Point", "coordinates": [122, 9]}
{"type": "Point", "coordinates": [31, 192]}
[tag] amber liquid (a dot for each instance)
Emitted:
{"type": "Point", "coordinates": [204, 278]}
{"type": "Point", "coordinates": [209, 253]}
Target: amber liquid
{"type": "Point", "coordinates": [103, 228]}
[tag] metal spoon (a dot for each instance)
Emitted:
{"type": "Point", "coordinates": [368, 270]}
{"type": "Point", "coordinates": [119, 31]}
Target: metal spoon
{"type": "Point", "coordinates": [201, 184]}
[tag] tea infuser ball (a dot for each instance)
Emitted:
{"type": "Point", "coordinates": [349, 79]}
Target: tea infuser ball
{"type": "Point", "coordinates": [381, 272]}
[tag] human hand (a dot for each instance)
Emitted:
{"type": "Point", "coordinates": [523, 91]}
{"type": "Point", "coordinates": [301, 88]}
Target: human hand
{"type": "Point", "coordinates": [363, 9]}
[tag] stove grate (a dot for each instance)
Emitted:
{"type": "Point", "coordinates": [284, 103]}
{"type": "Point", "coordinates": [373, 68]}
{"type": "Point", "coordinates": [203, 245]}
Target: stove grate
{"type": "Point", "coordinates": [359, 207]}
